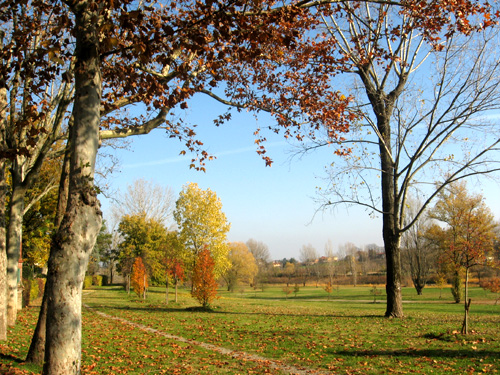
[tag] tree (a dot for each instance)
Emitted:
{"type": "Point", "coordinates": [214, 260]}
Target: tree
{"type": "Point", "coordinates": [3, 199]}
{"type": "Point", "coordinates": [260, 252]}
{"type": "Point", "coordinates": [468, 235]}
{"type": "Point", "coordinates": [243, 266]}
{"type": "Point", "coordinates": [39, 215]}
{"type": "Point", "coordinates": [127, 80]}
{"type": "Point", "coordinates": [102, 250]}
{"type": "Point", "coordinates": [145, 238]}
{"type": "Point", "coordinates": [420, 81]}
{"type": "Point", "coordinates": [202, 225]}
{"type": "Point", "coordinates": [171, 259]}
{"type": "Point", "coordinates": [262, 257]}
{"type": "Point", "coordinates": [117, 46]}
{"type": "Point", "coordinates": [289, 271]}
{"type": "Point", "coordinates": [493, 285]}
{"type": "Point", "coordinates": [34, 112]}
{"type": "Point", "coordinates": [416, 250]}
{"type": "Point", "coordinates": [330, 262]}
{"type": "Point", "coordinates": [175, 270]}
{"type": "Point", "coordinates": [350, 250]}
{"type": "Point", "coordinates": [146, 198]}
{"type": "Point", "coordinates": [204, 282]}
{"type": "Point", "coordinates": [139, 279]}
{"type": "Point", "coordinates": [308, 254]}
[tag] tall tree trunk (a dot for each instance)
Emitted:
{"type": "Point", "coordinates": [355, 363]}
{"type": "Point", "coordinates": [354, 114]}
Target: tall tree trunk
{"type": "Point", "coordinates": [36, 352]}
{"type": "Point", "coordinates": [3, 196]}
{"type": "Point", "coordinates": [390, 229]}
{"type": "Point", "coordinates": [14, 238]}
{"type": "Point", "coordinates": [383, 105]}
{"type": "Point", "coordinates": [76, 236]}
{"type": "Point", "coordinates": [3, 254]}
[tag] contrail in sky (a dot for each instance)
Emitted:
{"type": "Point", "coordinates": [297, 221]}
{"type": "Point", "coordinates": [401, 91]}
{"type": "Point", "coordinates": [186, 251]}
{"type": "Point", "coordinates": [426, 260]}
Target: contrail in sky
{"type": "Point", "coordinates": [218, 155]}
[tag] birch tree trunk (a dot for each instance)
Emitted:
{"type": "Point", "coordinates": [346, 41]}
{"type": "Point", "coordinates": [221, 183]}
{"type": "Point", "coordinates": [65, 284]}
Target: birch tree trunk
{"type": "Point", "coordinates": [76, 236]}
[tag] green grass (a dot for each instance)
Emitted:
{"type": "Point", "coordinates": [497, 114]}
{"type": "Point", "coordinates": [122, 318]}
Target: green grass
{"type": "Point", "coordinates": [344, 335]}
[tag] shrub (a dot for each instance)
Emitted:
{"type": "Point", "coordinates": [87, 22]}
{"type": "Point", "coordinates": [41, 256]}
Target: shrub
{"type": "Point", "coordinates": [97, 280]}
{"type": "Point", "coordinates": [87, 282]}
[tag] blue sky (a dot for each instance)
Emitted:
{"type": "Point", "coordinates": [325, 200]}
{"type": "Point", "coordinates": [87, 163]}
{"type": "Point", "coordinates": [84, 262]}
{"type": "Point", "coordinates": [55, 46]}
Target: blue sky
{"type": "Point", "coordinates": [275, 204]}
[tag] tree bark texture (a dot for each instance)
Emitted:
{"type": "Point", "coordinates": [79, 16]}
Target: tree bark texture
{"type": "Point", "coordinates": [14, 238]}
{"type": "Point", "coordinates": [390, 233]}
{"type": "Point", "coordinates": [76, 236]}
{"type": "Point", "coordinates": [3, 196]}
{"type": "Point", "coordinates": [383, 105]}
{"type": "Point", "coordinates": [3, 255]}
{"type": "Point", "coordinates": [36, 352]}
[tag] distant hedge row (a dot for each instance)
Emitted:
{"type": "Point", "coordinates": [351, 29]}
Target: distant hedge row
{"type": "Point", "coordinates": [96, 280]}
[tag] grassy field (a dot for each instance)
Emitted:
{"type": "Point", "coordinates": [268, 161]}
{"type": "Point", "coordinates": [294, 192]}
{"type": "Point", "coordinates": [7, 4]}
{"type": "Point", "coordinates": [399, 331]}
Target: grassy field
{"type": "Point", "coordinates": [344, 333]}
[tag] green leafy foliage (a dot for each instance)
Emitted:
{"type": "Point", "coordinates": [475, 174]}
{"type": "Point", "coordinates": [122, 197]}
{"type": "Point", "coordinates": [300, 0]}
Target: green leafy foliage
{"type": "Point", "coordinates": [145, 238]}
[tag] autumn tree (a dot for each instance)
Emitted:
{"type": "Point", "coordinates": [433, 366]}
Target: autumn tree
{"type": "Point", "coordinates": [139, 278]}
{"type": "Point", "coordinates": [142, 237]}
{"type": "Point", "coordinates": [175, 270]}
{"type": "Point", "coordinates": [243, 267]}
{"type": "Point", "coordinates": [204, 282]}
{"type": "Point", "coordinates": [492, 285]}
{"type": "Point", "coordinates": [36, 112]}
{"type": "Point", "coordinates": [202, 224]}
{"type": "Point", "coordinates": [420, 78]}
{"type": "Point", "coordinates": [468, 234]}
{"type": "Point", "coordinates": [98, 52]}
{"type": "Point", "coordinates": [170, 262]}
{"type": "Point", "coordinates": [39, 215]}
{"type": "Point", "coordinates": [119, 58]}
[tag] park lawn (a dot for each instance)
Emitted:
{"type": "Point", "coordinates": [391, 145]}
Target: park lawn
{"type": "Point", "coordinates": [338, 336]}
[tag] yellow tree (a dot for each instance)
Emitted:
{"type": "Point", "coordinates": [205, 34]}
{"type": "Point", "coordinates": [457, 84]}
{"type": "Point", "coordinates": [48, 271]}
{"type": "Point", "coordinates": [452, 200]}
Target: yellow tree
{"type": "Point", "coordinates": [243, 265]}
{"type": "Point", "coordinates": [202, 223]}
{"type": "Point", "coordinates": [468, 235]}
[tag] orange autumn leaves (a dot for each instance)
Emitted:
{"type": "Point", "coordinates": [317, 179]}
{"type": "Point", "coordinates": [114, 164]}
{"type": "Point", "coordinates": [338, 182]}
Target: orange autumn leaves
{"type": "Point", "coordinates": [139, 278]}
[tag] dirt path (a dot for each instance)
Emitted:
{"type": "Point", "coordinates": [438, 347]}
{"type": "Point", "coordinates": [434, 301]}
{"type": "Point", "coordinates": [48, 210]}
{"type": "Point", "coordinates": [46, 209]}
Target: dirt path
{"type": "Point", "coordinates": [270, 363]}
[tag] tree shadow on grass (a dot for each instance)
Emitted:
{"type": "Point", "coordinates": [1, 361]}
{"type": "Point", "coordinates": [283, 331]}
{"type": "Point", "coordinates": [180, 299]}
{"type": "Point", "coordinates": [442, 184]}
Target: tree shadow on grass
{"type": "Point", "coordinates": [412, 353]}
{"type": "Point", "coordinates": [215, 310]}
{"type": "Point", "coordinates": [11, 358]}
